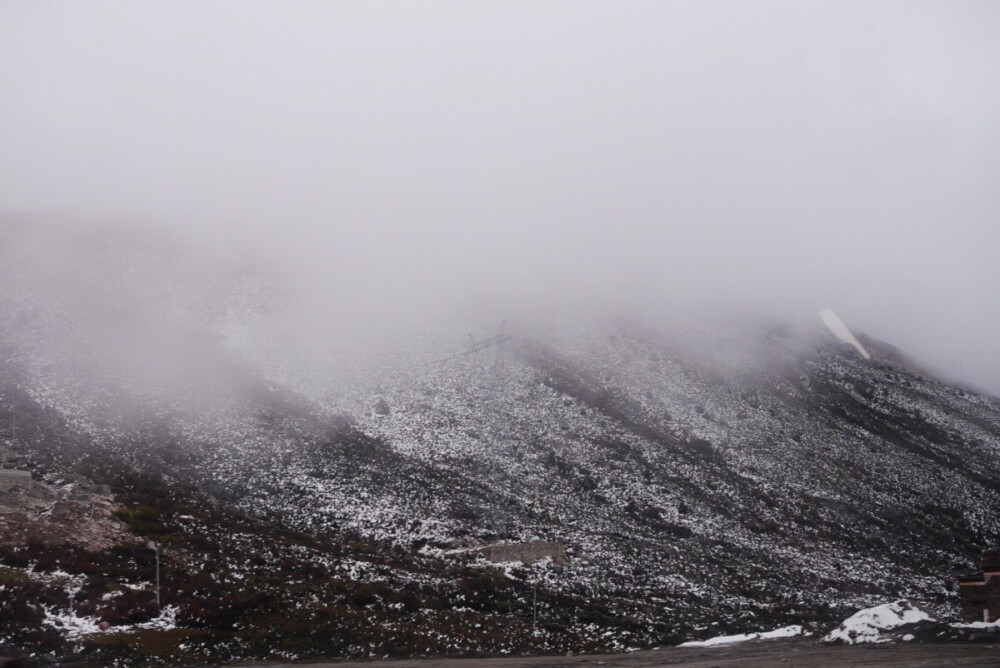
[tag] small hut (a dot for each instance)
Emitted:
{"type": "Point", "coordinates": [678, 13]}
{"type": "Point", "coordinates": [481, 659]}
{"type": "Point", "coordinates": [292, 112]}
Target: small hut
{"type": "Point", "coordinates": [981, 592]}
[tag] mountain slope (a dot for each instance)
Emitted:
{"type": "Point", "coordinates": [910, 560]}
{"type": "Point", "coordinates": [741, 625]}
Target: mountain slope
{"type": "Point", "coordinates": [723, 478]}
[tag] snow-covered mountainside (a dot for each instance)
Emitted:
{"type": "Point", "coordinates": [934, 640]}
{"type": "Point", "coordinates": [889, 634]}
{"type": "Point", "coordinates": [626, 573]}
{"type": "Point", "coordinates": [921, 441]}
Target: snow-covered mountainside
{"type": "Point", "coordinates": [743, 473]}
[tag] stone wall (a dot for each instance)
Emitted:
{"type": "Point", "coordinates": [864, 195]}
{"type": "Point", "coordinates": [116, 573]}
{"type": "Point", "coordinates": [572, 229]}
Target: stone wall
{"type": "Point", "coordinates": [527, 553]}
{"type": "Point", "coordinates": [11, 478]}
{"type": "Point", "coordinates": [79, 513]}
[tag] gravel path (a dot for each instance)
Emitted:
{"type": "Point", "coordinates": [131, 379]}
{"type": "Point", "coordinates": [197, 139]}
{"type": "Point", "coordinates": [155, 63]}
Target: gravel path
{"type": "Point", "coordinates": [752, 654]}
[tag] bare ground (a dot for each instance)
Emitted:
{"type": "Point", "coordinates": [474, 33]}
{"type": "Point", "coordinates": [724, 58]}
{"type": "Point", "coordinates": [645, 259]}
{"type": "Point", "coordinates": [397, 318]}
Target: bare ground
{"type": "Point", "coordinates": [80, 514]}
{"type": "Point", "coordinates": [753, 654]}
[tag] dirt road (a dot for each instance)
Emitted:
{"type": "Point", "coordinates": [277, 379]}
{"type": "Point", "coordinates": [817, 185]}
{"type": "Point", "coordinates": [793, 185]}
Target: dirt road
{"type": "Point", "coordinates": [754, 654]}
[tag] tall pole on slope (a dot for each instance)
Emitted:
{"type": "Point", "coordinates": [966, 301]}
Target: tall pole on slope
{"type": "Point", "coordinates": [157, 576]}
{"type": "Point", "coordinates": [156, 548]}
{"type": "Point", "coordinates": [13, 437]}
{"type": "Point", "coordinates": [534, 605]}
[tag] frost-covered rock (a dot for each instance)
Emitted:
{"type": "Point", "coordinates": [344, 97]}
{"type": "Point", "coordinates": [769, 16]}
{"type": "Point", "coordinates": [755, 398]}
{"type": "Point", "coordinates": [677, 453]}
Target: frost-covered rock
{"type": "Point", "coordinates": [872, 624]}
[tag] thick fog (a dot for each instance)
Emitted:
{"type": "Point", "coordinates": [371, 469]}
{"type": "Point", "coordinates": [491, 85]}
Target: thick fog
{"type": "Point", "coordinates": [407, 162]}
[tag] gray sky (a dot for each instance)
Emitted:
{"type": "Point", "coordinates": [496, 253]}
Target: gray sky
{"type": "Point", "coordinates": [772, 156]}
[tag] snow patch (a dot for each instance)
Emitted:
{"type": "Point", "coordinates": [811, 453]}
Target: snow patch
{"type": "Point", "coordinates": [784, 632]}
{"type": "Point", "coordinates": [69, 624]}
{"type": "Point", "coordinates": [992, 626]}
{"type": "Point", "coordinates": [73, 627]}
{"type": "Point", "coordinates": [867, 625]}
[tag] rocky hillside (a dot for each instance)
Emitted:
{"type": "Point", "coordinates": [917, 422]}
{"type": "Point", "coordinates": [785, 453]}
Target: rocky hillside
{"type": "Point", "coordinates": [696, 481]}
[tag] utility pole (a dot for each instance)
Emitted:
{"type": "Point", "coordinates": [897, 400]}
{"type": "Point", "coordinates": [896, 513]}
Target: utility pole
{"type": "Point", "coordinates": [534, 605]}
{"type": "Point", "coordinates": [157, 576]}
{"type": "Point", "coordinates": [156, 547]}
{"type": "Point", "coordinates": [10, 444]}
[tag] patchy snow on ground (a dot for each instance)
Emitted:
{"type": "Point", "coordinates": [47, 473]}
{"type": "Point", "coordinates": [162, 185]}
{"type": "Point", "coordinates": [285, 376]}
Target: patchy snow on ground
{"type": "Point", "coordinates": [72, 626]}
{"type": "Point", "coordinates": [991, 626]}
{"type": "Point", "coordinates": [867, 625]}
{"type": "Point", "coordinates": [785, 632]}
{"type": "Point", "coordinates": [166, 620]}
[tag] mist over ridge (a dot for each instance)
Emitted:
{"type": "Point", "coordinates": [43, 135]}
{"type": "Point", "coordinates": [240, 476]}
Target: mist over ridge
{"type": "Point", "coordinates": [346, 330]}
{"type": "Point", "coordinates": [146, 321]}
{"type": "Point", "coordinates": [399, 166]}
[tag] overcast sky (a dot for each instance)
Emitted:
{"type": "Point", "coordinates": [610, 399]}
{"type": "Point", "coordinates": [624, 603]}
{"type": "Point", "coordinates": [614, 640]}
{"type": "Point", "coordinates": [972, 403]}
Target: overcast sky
{"type": "Point", "coordinates": [779, 157]}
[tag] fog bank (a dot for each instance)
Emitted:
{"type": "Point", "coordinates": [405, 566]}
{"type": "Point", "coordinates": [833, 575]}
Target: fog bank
{"type": "Point", "coordinates": [407, 162]}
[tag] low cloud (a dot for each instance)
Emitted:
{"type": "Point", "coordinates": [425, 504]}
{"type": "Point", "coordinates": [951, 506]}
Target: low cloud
{"type": "Point", "coordinates": [400, 163]}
